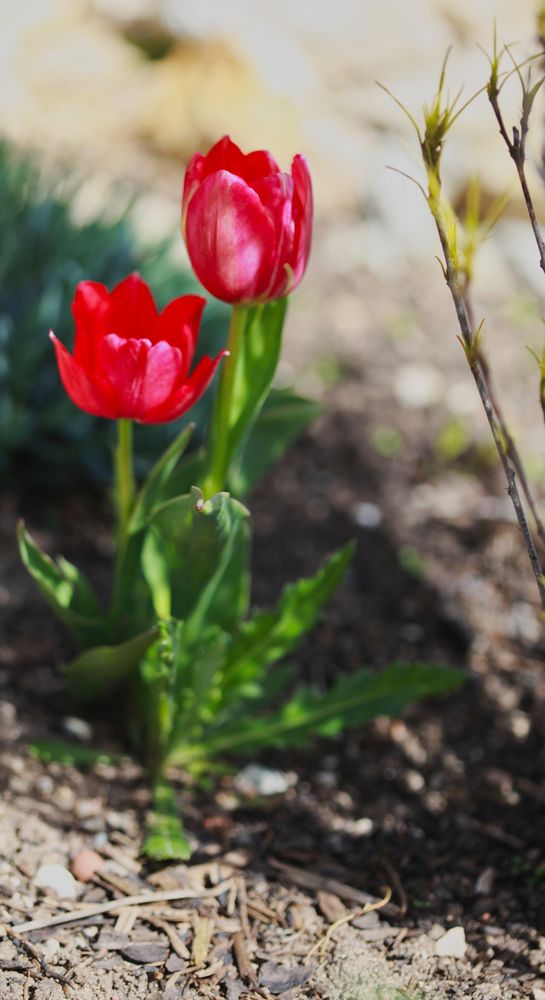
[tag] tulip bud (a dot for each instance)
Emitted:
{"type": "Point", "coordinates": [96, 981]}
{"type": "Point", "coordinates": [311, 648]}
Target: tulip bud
{"type": "Point", "coordinates": [247, 226]}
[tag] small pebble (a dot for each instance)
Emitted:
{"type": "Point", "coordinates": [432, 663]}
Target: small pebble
{"type": "Point", "coordinates": [51, 948]}
{"type": "Point", "coordinates": [86, 864]}
{"type": "Point", "coordinates": [452, 944]}
{"type": "Point", "coordinates": [367, 515]}
{"type": "Point", "coordinates": [78, 728]}
{"type": "Point", "coordinates": [257, 780]}
{"type": "Point", "coordinates": [45, 785]}
{"type": "Point", "coordinates": [485, 882]}
{"type": "Point", "coordinates": [84, 808]}
{"type": "Point", "coordinates": [57, 879]}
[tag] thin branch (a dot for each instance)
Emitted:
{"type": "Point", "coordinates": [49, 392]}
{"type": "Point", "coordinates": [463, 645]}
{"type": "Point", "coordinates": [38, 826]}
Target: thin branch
{"type": "Point", "coordinates": [510, 443]}
{"type": "Point", "coordinates": [482, 388]}
{"type": "Point", "coordinates": [517, 151]}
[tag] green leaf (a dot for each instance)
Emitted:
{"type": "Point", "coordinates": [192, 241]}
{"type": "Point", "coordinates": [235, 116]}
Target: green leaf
{"type": "Point", "coordinates": [195, 560]}
{"type": "Point", "coordinates": [96, 672]}
{"type": "Point", "coordinates": [353, 700]}
{"type": "Point", "coordinates": [283, 418]}
{"type": "Point", "coordinates": [271, 635]}
{"type": "Point", "coordinates": [152, 492]}
{"type": "Point", "coordinates": [66, 589]}
{"type": "Point", "coordinates": [165, 840]}
{"type": "Point", "coordinates": [178, 688]}
{"type": "Point", "coordinates": [255, 339]}
{"type": "Point", "coordinates": [56, 751]}
{"type": "Point", "coordinates": [189, 472]}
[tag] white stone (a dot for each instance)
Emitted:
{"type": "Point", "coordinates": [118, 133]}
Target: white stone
{"type": "Point", "coordinates": [77, 728]}
{"type": "Point", "coordinates": [485, 882]}
{"type": "Point", "coordinates": [257, 780]}
{"type": "Point", "coordinates": [367, 515]}
{"type": "Point", "coordinates": [452, 944]}
{"type": "Point", "coordinates": [57, 879]}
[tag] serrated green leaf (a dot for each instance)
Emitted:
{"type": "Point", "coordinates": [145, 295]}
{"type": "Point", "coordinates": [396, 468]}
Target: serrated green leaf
{"type": "Point", "coordinates": [283, 418]}
{"type": "Point", "coordinates": [59, 752]}
{"type": "Point", "coordinates": [268, 636]}
{"type": "Point", "coordinates": [353, 700]}
{"type": "Point", "coordinates": [200, 552]}
{"type": "Point", "coordinates": [152, 492]}
{"type": "Point", "coordinates": [66, 589]}
{"type": "Point", "coordinates": [97, 672]}
{"type": "Point", "coordinates": [165, 839]}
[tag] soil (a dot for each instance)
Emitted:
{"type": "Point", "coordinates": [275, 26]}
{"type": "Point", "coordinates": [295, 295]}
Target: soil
{"type": "Point", "coordinates": [444, 806]}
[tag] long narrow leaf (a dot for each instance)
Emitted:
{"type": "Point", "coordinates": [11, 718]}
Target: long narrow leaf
{"type": "Point", "coordinates": [271, 635]}
{"type": "Point", "coordinates": [352, 701]}
{"type": "Point", "coordinates": [66, 589]}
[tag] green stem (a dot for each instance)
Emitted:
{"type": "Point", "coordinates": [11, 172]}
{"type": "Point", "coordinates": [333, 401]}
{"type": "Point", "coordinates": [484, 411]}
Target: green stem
{"type": "Point", "coordinates": [124, 479]}
{"type": "Point", "coordinates": [219, 456]}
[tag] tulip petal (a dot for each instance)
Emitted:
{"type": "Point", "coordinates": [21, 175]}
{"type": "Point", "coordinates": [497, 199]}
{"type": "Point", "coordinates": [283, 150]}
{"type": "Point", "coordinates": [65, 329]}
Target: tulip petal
{"type": "Point", "coordinates": [276, 194]}
{"type": "Point", "coordinates": [90, 398]}
{"type": "Point", "coordinates": [187, 394]}
{"type": "Point", "coordinates": [231, 238]}
{"type": "Point", "coordinates": [302, 213]}
{"type": "Point", "coordinates": [224, 155]}
{"type": "Point", "coordinates": [178, 325]}
{"type": "Point", "coordinates": [90, 309]}
{"type": "Point", "coordinates": [141, 375]}
{"type": "Point", "coordinates": [132, 310]}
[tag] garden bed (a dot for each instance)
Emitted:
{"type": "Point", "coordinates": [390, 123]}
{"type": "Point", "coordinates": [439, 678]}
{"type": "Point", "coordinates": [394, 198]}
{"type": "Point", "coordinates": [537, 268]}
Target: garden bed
{"type": "Point", "coordinates": [444, 807]}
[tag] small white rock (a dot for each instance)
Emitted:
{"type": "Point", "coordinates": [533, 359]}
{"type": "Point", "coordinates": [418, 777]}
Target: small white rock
{"type": "Point", "coordinates": [51, 948]}
{"type": "Point", "coordinates": [539, 994]}
{"type": "Point", "coordinates": [485, 882]}
{"type": "Point", "coordinates": [257, 780]}
{"type": "Point", "coordinates": [57, 879]}
{"type": "Point", "coordinates": [367, 515]}
{"type": "Point", "coordinates": [452, 944]}
{"type": "Point", "coordinates": [77, 728]}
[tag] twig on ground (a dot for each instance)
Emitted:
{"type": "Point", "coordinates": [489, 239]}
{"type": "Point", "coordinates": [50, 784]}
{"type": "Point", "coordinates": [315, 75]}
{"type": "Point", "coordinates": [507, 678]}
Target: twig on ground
{"type": "Point", "coordinates": [36, 954]}
{"type": "Point", "coordinates": [368, 908]}
{"type": "Point", "coordinates": [244, 965]}
{"type": "Point", "coordinates": [309, 880]}
{"type": "Point", "coordinates": [118, 904]}
{"type": "Point", "coordinates": [393, 875]}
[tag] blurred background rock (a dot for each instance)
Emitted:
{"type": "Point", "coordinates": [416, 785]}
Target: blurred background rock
{"type": "Point", "coordinates": [133, 87]}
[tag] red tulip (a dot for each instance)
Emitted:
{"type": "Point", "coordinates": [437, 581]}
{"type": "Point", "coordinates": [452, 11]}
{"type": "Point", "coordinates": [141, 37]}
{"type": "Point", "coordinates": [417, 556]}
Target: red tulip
{"type": "Point", "coordinates": [129, 361]}
{"type": "Point", "coordinates": [247, 225]}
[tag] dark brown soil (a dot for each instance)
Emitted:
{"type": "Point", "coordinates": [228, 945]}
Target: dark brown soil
{"type": "Point", "coordinates": [444, 806]}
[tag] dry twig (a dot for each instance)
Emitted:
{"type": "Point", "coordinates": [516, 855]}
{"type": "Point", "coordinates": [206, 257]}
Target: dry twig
{"type": "Point", "coordinates": [118, 904]}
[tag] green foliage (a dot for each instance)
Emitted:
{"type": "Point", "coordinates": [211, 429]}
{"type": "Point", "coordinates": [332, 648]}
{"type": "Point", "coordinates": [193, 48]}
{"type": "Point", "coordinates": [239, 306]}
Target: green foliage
{"type": "Point", "coordinates": [99, 670]}
{"type": "Point", "coordinates": [44, 253]}
{"type": "Point", "coordinates": [165, 839]}
{"type": "Point", "coordinates": [353, 700]}
{"type": "Point", "coordinates": [73, 754]}
{"type": "Point", "coordinates": [255, 340]}
{"type": "Point", "coordinates": [282, 420]}
{"type": "Point", "coordinates": [65, 588]}
{"type": "Point", "coordinates": [195, 560]}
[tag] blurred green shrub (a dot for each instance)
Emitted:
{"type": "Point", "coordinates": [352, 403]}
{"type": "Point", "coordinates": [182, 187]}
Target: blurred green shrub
{"type": "Point", "coordinates": [45, 442]}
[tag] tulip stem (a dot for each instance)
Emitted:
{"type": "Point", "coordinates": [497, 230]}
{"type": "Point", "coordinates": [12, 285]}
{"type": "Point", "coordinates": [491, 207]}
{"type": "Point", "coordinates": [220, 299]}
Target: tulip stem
{"type": "Point", "coordinates": [219, 450]}
{"type": "Point", "coordinates": [124, 478]}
